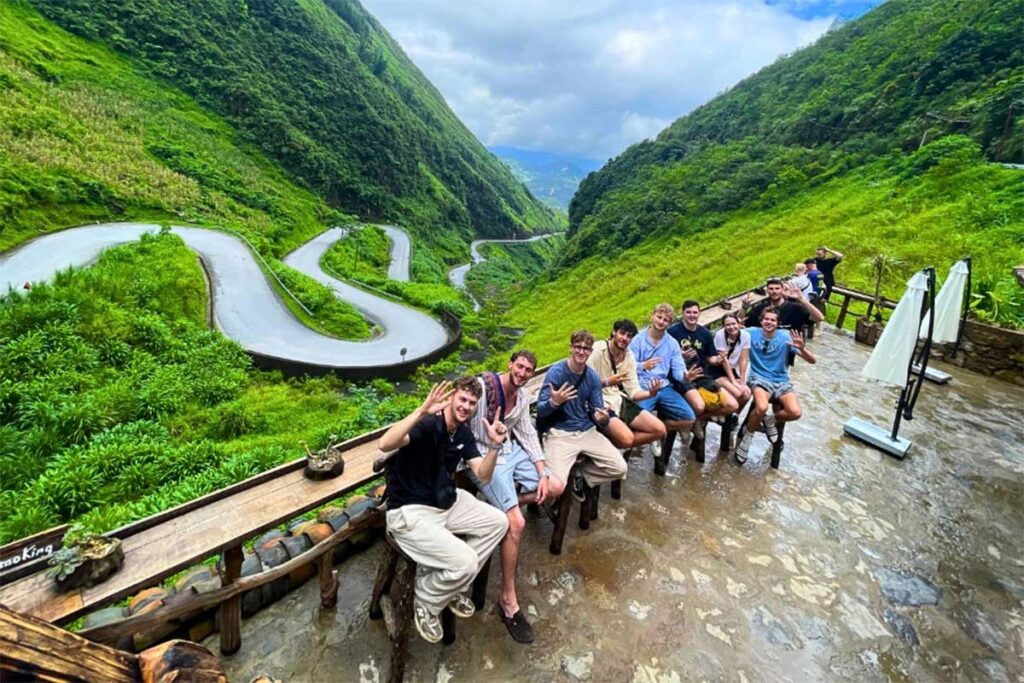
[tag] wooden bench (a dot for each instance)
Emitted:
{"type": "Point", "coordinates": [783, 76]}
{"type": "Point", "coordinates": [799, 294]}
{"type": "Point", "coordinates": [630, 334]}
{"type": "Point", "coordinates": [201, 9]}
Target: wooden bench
{"type": "Point", "coordinates": [217, 523]}
{"type": "Point", "coordinates": [853, 295]}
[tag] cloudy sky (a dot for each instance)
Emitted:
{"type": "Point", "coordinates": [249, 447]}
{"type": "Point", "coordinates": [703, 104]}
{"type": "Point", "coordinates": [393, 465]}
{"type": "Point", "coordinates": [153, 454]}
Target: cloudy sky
{"type": "Point", "coordinates": [589, 77]}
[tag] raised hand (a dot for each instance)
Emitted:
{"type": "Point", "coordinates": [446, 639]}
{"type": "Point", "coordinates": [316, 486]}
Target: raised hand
{"type": "Point", "coordinates": [497, 432]}
{"type": "Point", "coordinates": [791, 291]}
{"type": "Point", "coordinates": [651, 363]}
{"type": "Point", "coordinates": [612, 380]}
{"type": "Point", "coordinates": [747, 298]}
{"type": "Point", "coordinates": [438, 399]}
{"type": "Point", "coordinates": [567, 392]}
{"type": "Point", "coordinates": [689, 353]}
{"type": "Point", "coordinates": [796, 340]}
{"type": "Point", "coordinates": [696, 372]}
{"type": "Point", "coordinates": [601, 416]}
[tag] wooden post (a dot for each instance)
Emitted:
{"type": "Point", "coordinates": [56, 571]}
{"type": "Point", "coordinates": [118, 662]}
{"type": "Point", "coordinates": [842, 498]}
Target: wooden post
{"type": "Point", "coordinates": [596, 492]}
{"type": "Point", "coordinates": [405, 587]}
{"type": "Point", "coordinates": [231, 609]}
{"type": "Point", "coordinates": [480, 585]}
{"type": "Point", "coordinates": [842, 311]}
{"type": "Point", "coordinates": [777, 446]}
{"type": "Point", "coordinates": [697, 445]}
{"type": "Point", "coordinates": [585, 507]}
{"type": "Point", "coordinates": [385, 574]}
{"type": "Point", "coordinates": [448, 626]}
{"type": "Point", "coordinates": [558, 534]}
{"type": "Point", "coordinates": [617, 489]}
{"type": "Point", "coordinates": [328, 581]}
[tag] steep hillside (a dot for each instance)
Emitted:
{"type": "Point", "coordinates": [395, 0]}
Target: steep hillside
{"type": "Point", "coordinates": [908, 72]}
{"type": "Point", "coordinates": [322, 88]}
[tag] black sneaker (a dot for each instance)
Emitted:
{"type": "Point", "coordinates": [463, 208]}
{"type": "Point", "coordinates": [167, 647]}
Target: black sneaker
{"type": "Point", "coordinates": [579, 488]}
{"type": "Point", "coordinates": [518, 627]}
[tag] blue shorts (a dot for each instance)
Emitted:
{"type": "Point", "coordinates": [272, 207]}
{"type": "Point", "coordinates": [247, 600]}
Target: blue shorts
{"type": "Point", "coordinates": [517, 468]}
{"type": "Point", "coordinates": [669, 404]}
{"type": "Point", "coordinates": [776, 390]}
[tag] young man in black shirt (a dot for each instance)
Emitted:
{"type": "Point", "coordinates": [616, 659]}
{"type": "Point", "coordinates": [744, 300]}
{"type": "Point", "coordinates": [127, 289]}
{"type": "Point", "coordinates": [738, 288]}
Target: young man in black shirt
{"type": "Point", "coordinates": [827, 264]}
{"type": "Point", "coordinates": [697, 345]}
{"type": "Point", "coordinates": [426, 511]}
{"type": "Point", "coordinates": [795, 311]}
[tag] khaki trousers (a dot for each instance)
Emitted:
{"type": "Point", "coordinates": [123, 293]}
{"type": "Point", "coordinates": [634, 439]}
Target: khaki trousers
{"type": "Point", "coordinates": [447, 565]}
{"type": "Point", "coordinates": [603, 462]}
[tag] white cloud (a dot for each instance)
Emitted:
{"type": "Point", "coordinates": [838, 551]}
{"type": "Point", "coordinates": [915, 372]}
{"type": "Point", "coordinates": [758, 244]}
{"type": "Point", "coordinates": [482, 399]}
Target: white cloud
{"type": "Point", "coordinates": [587, 78]}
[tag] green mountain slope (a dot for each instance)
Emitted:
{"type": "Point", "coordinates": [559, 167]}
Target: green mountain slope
{"type": "Point", "coordinates": [321, 87]}
{"type": "Point", "coordinates": [908, 72]}
{"type": "Point", "coordinates": [885, 136]}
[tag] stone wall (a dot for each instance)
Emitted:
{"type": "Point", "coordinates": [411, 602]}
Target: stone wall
{"type": "Point", "coordinates": [992, 351]}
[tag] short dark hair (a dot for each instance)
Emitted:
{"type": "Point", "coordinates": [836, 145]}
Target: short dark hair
{"type": "Point", "coordinates": [774, 281]}
{"type": "Point", "coordinates": [625, 325]}
{"type": "Point", "coordinates": [690, 303]}
{"type": "Point", "coordinates": [523, 353]}
{"type": "Point", "coordinates": [766, 311]}
{"type": "Point", "coordinates": [469, 384]}
{"type": "Point", "coordinates": [810, 261]}
{"type": "Point", "coordinates": [581, 337]}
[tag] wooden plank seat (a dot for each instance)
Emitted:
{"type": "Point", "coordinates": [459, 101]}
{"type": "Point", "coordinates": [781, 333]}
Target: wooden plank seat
{"type": "Point", "coordinates": [165, 544]}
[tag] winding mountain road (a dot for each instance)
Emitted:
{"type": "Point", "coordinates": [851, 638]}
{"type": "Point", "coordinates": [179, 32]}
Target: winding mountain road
{"type": "Point", "coordinates": [457, 275]}
{"type": "Point", "coordinates": [245, 306]}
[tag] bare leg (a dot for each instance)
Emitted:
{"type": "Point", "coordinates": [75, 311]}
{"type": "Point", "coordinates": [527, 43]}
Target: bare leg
{"type": "Point", "coordinates": [757, 411]}
{"type": "Point", "coordinates": [510, 561]}
{"type": "Point", "coordinates": [696, 402]}
{"type": "Point", "coordinates": [619, 433]}
{"type": "Point", "coordinates": [790, 410]}
{"type": "Point", "coordinates": [728, 407]}
{"type": "Point", "coordinates": [647, 429]}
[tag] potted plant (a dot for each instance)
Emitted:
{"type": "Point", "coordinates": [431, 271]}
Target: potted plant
{"type": "Point", "coordinates": [85, 560]}
{"type": "Point", "coordinates": [324, 464]}
{"type": "Point", "coordinates": [869, 326]}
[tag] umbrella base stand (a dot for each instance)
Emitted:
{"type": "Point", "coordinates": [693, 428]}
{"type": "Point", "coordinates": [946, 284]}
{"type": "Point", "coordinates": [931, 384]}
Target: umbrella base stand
{"type": "Point", "coordinates": [933, 375]}
{"type": "Point", "coordinates": [878, 437]}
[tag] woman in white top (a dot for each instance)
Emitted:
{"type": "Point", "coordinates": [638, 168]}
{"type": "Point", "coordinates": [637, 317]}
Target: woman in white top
{"type": "Point", "coordinates": [802, 282]}
{"type": "Point", "coordinates": [733, 344]}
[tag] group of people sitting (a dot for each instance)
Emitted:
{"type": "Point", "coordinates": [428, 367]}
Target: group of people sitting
{"type": "Point", "coordinates": [634, 388]}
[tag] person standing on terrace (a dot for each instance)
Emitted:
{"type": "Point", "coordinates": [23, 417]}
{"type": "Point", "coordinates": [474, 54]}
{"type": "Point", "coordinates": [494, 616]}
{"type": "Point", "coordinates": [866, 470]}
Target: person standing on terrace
{"type": "Point", "coordinates": [659, 361]}
{"type": "Point", "coordinates": [827, 260]}
{"type": "Point", "coordinates": [520, 467]}
{"type": "Point", "coordinates": [769, 380]}
{"type": "Point", "coordinates": [570, 408]}
{"type": "Point", "coordinates": [426, 511]}
{"type": "Point", "coordinates": [795, 311]}
{"type": "Point", "coordinates": [629, 426]}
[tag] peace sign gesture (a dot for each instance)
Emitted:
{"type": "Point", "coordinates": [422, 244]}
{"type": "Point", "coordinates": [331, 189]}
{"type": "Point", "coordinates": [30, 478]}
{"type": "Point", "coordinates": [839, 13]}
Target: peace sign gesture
{"type": "Point", "coordinates": [438, 399]}
{"type": "Point", "coordinates": [497, 432]}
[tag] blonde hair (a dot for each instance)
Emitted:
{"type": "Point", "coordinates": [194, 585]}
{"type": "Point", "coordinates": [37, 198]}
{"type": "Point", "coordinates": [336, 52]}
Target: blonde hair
{"type": "Point", "coordinates": [800, 269]}
{"type": "Point", "coordinates": [667, 309]}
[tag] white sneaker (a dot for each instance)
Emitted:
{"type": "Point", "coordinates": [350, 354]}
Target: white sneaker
{"type": "Point", "coordinates": [427, 624]}
{"type": "Point", "coordinates": [462, 606]}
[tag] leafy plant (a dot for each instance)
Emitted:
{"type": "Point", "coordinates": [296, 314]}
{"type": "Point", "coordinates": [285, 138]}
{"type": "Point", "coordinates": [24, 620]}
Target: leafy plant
{"type": "Point", "coordinates": [880, 265]}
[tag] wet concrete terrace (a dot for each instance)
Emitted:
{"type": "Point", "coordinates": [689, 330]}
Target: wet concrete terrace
{"type": "Point", "coordinates": [843, 564]}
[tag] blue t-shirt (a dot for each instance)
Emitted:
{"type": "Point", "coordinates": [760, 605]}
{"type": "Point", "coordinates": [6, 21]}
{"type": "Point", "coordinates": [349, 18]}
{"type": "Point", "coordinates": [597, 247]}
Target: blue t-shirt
{"type": "Point", "coordinates": [577, 413]}
{"type": "Point", "coordinates": [768, 356]}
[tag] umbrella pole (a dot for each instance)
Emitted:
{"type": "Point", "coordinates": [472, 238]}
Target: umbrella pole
{"type": "Point", "coordinates": [918, 362]}
{"type": "Point", "coordinates": [966, 305]}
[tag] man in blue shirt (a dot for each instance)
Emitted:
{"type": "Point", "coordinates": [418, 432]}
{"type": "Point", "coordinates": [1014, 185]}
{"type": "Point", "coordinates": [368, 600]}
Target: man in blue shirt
{"type": "Point", "coordinates": [571, 407]}
{"type": "Point", "coordinates": [769, 380]}
{"type": "Point", "coordinates": [658, 358]}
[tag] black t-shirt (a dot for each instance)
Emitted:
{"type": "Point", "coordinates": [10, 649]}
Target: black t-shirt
{"type": "Point", "coordinates": [792, 315]}
{"type": "Point", "coordinates": [826, 266]}
{"type": "Point", "coordinates": [700, 340]}
{"type": "Point", "coordinates": [426, 464]}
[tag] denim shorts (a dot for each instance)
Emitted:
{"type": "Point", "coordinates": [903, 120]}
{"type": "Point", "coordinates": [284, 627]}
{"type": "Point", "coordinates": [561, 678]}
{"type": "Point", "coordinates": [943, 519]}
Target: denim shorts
{"type": "Point", "coordinates": [517, 468]}
{"type": "Point", "coordinates": [775, 390]}
{"type": "Point", "coordinates": [669, 403]}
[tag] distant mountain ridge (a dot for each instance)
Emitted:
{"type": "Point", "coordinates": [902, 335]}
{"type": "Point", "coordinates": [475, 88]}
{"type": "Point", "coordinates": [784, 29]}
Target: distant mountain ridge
{"type": "Point", "coordinates": [552, 178]}
{"type": "Point", "coordinates": [320, 87]}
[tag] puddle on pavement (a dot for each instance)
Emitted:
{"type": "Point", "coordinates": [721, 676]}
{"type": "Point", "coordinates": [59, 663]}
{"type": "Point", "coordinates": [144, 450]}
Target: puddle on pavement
{"type": "Point", "coordinates": [843, 564]}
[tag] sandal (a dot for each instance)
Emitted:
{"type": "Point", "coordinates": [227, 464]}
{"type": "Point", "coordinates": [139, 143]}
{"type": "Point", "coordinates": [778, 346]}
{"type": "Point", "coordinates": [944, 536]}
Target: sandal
{"type": "Point", "coordinates": [518, 627]}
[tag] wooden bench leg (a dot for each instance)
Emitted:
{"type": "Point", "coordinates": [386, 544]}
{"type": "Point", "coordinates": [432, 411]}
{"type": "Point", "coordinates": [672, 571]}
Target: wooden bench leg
{"type": "Point", "coordinates": [558, 534]}
{"type": "Point", "coordinates": [595, 493]}
{"type": "Point", "coordinates": [661, 463]}
{"type": "Point", "coordinates": [231, 609]}
{"type": "Point", "coordinates": [728, 427]}
{"type": "Point", "coordinates": [405, 589]}
{"type": "Point", "coordinates": [480, 585]}
{"type": "Point", "coordinates": [382, 585]}
{"type": "Point", "coordinates": [448, 626]}
{"type": "Point", "coordinates": [697, 445]}
{"type": "Point", "coordinates": [842, 312]}
{"type": "Point", "coordinates": [616, 489]}
{"type": "Point", "coordinates": [585, 507]}
{"type": "Point", "coordinates": [328, 581]}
